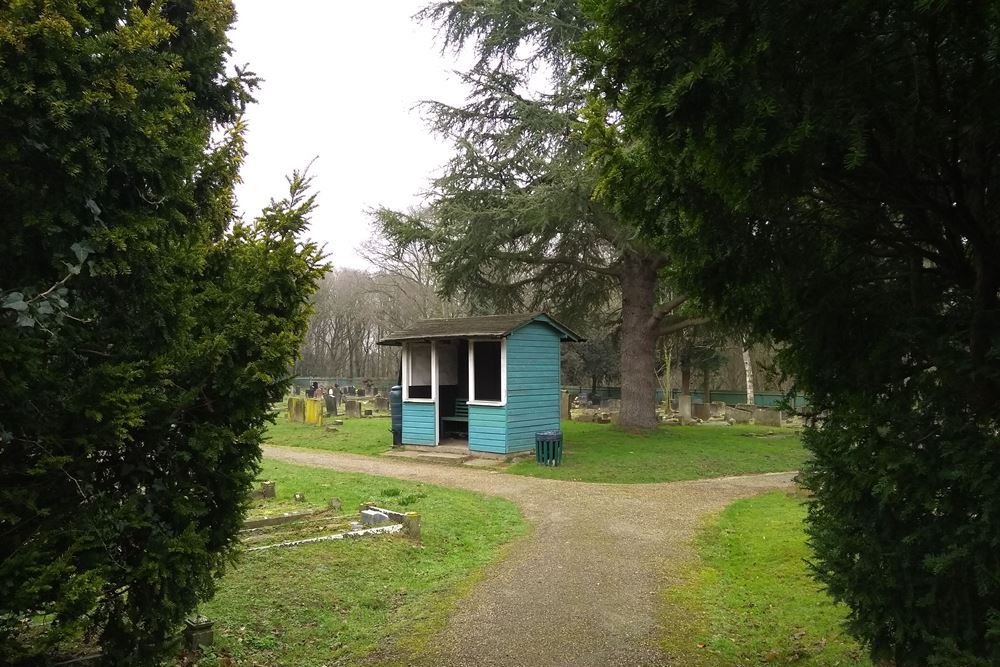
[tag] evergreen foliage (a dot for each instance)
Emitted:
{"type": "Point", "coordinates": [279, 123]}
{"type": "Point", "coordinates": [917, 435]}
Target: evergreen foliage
{"type": "Point", "coordinates": [835, 168]}
{"type": "Point", "coordinates": [514, 221]}
{"type": "Point", "coordinates": [145, 331]}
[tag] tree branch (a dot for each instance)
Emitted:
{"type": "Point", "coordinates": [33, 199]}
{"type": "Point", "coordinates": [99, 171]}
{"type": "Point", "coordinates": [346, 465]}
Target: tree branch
{"type": "Point", "coordinates": [665, 309]}
{"type": "Point", "coordinates": [674, 325]}
{"type": "Point", "coordinates": [609, 270]}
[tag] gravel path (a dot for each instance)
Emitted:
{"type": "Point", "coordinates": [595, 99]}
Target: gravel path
{"type": "Point", "coordinates": [583, 588]}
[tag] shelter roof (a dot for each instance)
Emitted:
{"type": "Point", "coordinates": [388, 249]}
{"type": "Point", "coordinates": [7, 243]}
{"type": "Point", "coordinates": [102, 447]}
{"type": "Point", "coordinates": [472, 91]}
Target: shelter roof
{"type": "Point", "coordinates": [483, 326]}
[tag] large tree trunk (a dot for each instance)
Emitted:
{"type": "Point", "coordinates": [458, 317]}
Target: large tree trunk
{"type": "Point", "coordinates": [638, 344]}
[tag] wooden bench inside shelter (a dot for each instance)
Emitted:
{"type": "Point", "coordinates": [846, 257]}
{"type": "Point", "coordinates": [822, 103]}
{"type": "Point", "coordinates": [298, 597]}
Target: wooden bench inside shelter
{"type": "Point", "coordinates": [460, 417]}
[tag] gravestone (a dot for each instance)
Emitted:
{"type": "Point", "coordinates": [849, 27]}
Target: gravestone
{"type": "Point", "coordinates": [267, 489]}
{"type": "Point", "coordinates": [381, 403]}
{"type": "Point", "coordinates": [331, 405]}
{"type": "Point", "coordinates": [739, 414]}
{"type": "Point", "coordinates": [352, 408]}
{"type": "Point", "coordinates": [767, 417]}
{"type": "Point", "coordinates": [297, 409]}
{"type": "Point", "coordinates": [564, 404]}
{"type": "Point", "coordinates": [684, 407]}
{"type": "Point", "coordinates": [372, 518]}
{"type": "Point", "coordinates": [700, 411]}
{"type": "Point", "coordinates": [313, 411]}
{"type": "Point", "coordinates": [368, 413]}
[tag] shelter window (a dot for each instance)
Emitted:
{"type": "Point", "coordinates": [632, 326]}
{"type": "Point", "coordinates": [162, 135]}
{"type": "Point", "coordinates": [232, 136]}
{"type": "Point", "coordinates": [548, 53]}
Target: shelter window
{"type": "Point", "coordinates": [486, 371]}
{"type": "Point", "coordinates": [418, 367]}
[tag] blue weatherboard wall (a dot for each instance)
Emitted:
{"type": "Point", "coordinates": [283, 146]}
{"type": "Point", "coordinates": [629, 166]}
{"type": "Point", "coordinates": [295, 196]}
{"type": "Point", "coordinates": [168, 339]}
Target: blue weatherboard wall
{"type": "Point", "coordinates": [418, 423]}
{"type": "Point", "coordinates": [488, 428]}
{"type": "Point", "coordinates": [532, 384]}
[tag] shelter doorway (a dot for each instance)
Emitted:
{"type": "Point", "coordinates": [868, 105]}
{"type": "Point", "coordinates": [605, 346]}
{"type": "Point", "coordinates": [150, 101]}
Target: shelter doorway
{"type": "Point", "coordinates": [453, 390]}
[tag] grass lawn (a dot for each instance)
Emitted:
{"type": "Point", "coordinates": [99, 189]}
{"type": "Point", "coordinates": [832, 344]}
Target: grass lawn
{"type": "Point", "coordinates": [358, 436]}
{"type": "Point", "coordinates": [601, 453]}
{"type": "Point", "coordinates": [336, 603]}
{"type": "Point", "coordinates": [751, 601]}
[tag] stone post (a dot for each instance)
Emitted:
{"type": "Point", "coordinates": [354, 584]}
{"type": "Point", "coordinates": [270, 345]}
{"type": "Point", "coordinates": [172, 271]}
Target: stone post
{"type": "Point", "coordinates": [411, 525]}
{"type": "Point", "coordinates": [564, 405]}
{"type": "Point", "coordinates": [198, 632]}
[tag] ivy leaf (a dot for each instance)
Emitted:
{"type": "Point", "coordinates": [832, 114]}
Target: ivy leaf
{"type": "Point", "coordinates": [15, 301]}
{"type": "Point", "coordinates": [81, 249]}
{"type": "Point", "coordinates": [25, 320]}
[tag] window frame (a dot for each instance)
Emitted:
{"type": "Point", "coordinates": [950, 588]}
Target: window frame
{"type": "Point", "coordinates": [407, 357]}
{"type": "Point", "coordinates": [503, 373]}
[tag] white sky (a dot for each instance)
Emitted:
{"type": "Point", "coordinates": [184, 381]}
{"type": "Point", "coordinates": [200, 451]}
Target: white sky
{"type": "Point", "coordinates": [341, 79]}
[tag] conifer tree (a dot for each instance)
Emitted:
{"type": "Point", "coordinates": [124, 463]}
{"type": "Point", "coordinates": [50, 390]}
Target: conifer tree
{"type": "Point", "coordinates": [145, 330]}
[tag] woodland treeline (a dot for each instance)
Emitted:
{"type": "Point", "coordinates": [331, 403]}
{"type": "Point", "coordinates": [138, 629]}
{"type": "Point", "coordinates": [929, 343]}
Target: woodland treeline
{"type": "Point", "coordinates": [355, 308]}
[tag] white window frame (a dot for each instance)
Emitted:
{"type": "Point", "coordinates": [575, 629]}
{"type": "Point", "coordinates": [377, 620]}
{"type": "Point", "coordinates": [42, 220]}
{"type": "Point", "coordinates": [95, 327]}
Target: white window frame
{"type": "Point", "coordinates": [503, 372]}
{"type": "Point", "coordinates": [406, 375]}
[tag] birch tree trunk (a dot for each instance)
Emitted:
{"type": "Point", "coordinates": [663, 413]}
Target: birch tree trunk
{"type": "Point", "coordinates": [667, 374]}
{"type": "Point", "coordinates": [748, 368]}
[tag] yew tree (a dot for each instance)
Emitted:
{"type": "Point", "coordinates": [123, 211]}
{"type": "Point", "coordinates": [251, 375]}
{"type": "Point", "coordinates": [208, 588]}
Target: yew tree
{"type": "Point", "coordinates": [836, 169]}
{"type": "Point", "coordinates": [145, 330]}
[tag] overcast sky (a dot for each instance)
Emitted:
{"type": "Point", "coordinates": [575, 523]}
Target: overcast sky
{"type": "Point", "coordinates": [340, 82]}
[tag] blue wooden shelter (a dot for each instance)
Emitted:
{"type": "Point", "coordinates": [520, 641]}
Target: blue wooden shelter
{"type": "Point", "coordinates": [492, 380]}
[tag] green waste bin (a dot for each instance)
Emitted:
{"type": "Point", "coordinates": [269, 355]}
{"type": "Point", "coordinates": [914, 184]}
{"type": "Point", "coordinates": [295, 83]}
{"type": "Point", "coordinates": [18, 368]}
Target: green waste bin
{"type": "Point", "coordinates": [548, 448]}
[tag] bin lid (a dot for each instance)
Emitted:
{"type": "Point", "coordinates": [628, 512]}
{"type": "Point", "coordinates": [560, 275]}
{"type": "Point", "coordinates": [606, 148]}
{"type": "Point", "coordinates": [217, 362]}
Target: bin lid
{"type": "Point", "coordinates": [548, 434]}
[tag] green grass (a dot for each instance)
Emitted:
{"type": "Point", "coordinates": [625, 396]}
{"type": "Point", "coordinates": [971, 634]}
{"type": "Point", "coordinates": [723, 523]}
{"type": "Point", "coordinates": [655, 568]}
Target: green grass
{"type": "Point", "coordinates": [358, 601]}
{"type": "Point", "coordinates": [357, 436]}
{"type": "Point", "coordinates": [751, 601]}
{"type": "Point", "coordinates": [600, 453]}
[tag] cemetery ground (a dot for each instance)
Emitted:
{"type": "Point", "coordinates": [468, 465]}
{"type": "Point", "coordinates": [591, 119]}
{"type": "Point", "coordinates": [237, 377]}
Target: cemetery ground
{"type": "Point", "coordinates": [332, 603]}
{"type": "Point", "coordinates": [710, 576]}
{"type": "Point", "coordinates": [597, 452]}
{"type": "Point", "coordinates": [616, 574]}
